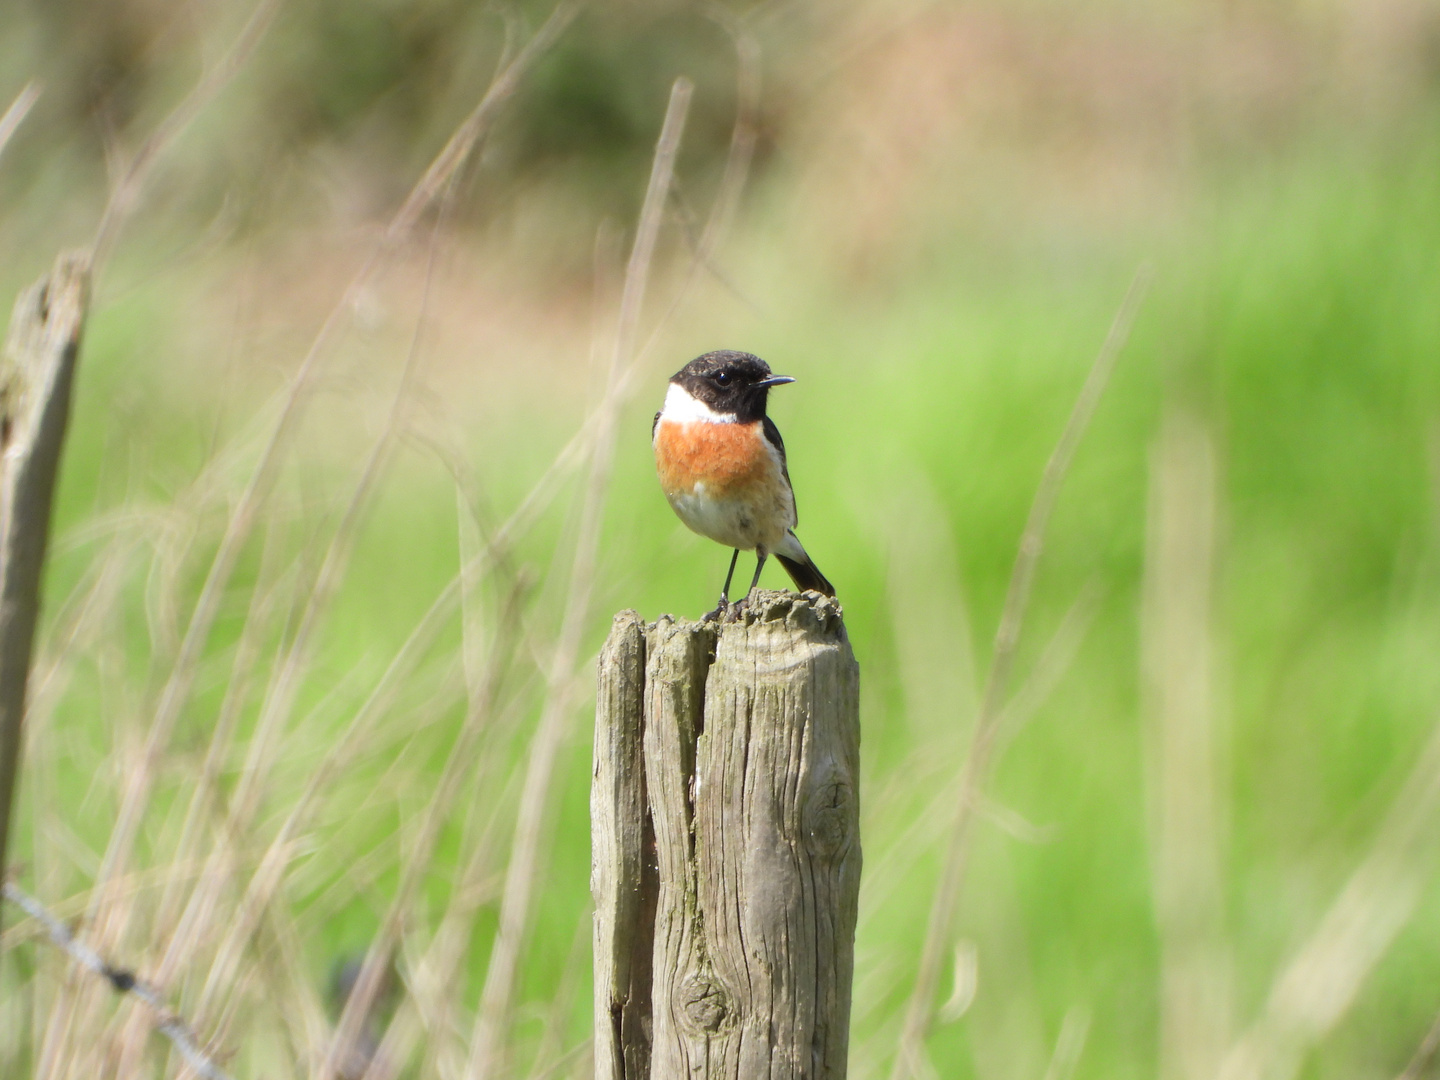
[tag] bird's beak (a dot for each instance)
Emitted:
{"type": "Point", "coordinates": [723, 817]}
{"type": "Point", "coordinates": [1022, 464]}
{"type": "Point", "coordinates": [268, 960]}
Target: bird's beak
{"type": "Point", "coordinates": [774, 380]}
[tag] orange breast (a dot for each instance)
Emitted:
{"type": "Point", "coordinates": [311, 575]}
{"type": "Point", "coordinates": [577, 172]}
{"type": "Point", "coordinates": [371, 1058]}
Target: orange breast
{"type": "Point", "coordinates": [726, 458]}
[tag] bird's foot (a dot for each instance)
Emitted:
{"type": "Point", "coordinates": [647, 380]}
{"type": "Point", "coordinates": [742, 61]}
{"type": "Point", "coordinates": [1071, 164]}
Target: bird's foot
{"type": "Point", "coordinates": [738, 608]}
{"type": "Point", "coordinates": [720, 614]}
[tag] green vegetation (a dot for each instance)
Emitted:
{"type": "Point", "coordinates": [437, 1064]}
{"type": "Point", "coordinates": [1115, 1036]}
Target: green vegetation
{"type": "Point", "coordinates": [937, 270]}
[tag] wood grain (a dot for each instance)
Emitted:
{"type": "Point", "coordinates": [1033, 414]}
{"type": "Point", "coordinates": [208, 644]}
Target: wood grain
{"type": "Point", "coordinates": [751, 756]}
{"type": "Point", "coordinates": [622, 874]}
{"type": "Point", "coordinates": [36, 374]}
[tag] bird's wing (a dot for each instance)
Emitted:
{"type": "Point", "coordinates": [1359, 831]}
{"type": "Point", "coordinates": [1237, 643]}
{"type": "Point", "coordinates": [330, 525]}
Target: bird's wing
{"type": "Point", "coordinates": [772, 434]}
{"type": "Point", "coordinates": [653, 425]}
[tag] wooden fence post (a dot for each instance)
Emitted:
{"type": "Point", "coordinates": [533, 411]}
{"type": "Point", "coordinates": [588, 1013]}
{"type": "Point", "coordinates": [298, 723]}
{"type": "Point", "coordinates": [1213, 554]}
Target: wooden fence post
{"type": "Point", "coordinates": [36, 372]}
{"type": "Point", "coordinates": [725, 845]}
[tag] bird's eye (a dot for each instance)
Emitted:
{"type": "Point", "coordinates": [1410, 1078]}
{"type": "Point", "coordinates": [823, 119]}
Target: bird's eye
{"type": "Point", "coordinates": [722, 378]}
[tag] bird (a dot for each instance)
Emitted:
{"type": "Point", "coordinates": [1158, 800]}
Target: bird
{"type": "Point", "coordinates": [721, 464]}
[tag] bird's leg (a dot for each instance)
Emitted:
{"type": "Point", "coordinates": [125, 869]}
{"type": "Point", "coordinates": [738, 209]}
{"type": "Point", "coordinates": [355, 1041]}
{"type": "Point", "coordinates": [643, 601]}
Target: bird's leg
{"type": "Point", "coordinates": [760, 556]}
{"type": "Point", "coordinates": [724, 604]}
{"type": "Point", "coordinates": [725, 590]}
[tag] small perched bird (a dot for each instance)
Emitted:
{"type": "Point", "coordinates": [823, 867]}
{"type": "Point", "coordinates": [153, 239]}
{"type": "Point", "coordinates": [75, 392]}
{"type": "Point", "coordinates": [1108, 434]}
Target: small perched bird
{"type": "Point", "coordinates": [722, 465]}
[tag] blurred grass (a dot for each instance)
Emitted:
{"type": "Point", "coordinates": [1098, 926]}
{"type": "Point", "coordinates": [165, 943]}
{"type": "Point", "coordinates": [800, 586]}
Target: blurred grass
{"type": "Point", "coordinates": [939, 332]}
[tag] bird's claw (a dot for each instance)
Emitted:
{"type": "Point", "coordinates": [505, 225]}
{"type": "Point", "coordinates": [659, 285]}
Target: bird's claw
{"type": "Point", "coordinates": [727, 611]}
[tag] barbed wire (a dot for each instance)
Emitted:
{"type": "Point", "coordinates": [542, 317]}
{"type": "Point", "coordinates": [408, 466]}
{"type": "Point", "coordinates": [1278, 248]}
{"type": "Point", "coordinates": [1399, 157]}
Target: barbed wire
{"type": "Point", "coordinates": [169, 1023]}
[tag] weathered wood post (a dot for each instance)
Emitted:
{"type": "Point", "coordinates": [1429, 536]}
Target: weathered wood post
{"type": "Point", "coordinates": [37, 370]}
{"type": "Point", "coordinates": [726, 850]}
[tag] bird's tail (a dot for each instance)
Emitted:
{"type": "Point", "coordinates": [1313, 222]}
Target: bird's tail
{"type": "Point", "coordinates": [802, 568]}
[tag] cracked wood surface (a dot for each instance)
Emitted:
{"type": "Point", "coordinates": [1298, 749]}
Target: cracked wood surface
{"type": "Point", "coordinates": [36, 373]}
{"type": "Point", "coordinates": [726, 853]}
{"type": "Point", "coordinates": [622, 864]}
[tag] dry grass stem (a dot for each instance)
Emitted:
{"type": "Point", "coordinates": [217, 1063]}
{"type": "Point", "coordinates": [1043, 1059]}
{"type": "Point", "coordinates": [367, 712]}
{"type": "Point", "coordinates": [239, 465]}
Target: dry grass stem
{"type": "Point", "coordinates": [380, 955]}
{"type": "Point", "coordinates": [1176, 661]}
{"type": "Point", "coordinates": [124, 982]}
{"type": "Point", "coordinates": [550, 1057]}
{"type": "Point", "coordinates": [205, 798]}
{"type": "Point", "coordinates": [1318, 986]}
{"type": "Point", "coordinates": [78, 622]}
{"type": "Point", "coordinates": [432, 978]}
{"type": "Point", "coordinates": [341, 750]}
{"type": "Point", "coordinates": [920, 1008]}
{"type": "Point", "coordinates": [472, 129]}
{"type": "Point", "coordinates": [482, 684]}
{"type": "Point", "coordinates": [1425, 1054]}
{"type": "Point", "coordinates": [737, 162]}
{"type": "Point", "coordinates": [430, 1006]}
{"type": "Point", "coordinates": [126, 192]}
{"type": "Point", "coordinates": [177, 688]}
{"type": "Point", "coordinates": [280, 697]}
{"type": "Point", "coordinates": [487, 1043]}
{"type": "Point", "coordinates": [15, 115]}
{"type": "Point", "coordinates": [1069, 1045]}
{"type": "Point", "coordinates": [1054, 661]}
{"type": "Point", "coordinates": [430, 1002]}
{"type": "Point", "coordinates": [926, 826]}
{"type": "Point", "coordinates": [929, 617]}
{"type": "Point", "coordinates": [194, 922]}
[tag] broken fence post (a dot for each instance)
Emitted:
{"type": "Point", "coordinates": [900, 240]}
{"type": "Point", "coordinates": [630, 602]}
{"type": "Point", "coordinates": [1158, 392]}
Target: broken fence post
{"type": "Point", "coordinates": [36, 373]}
{"type": "Point", "coordinates": [725, 859]}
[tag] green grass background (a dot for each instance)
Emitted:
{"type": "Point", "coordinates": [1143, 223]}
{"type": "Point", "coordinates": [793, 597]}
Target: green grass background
{"type": "Point", "coordinates": [1296, 306]}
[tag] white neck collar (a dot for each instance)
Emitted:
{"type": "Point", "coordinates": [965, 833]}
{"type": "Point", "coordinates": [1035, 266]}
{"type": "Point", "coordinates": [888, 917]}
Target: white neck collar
{"type": "Point", "coordinates": [683, 407]}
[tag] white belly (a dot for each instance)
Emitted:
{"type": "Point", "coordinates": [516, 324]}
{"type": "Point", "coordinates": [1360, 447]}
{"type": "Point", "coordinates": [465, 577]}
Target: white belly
{"type": "Point", "coordinates": [743, 523]}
